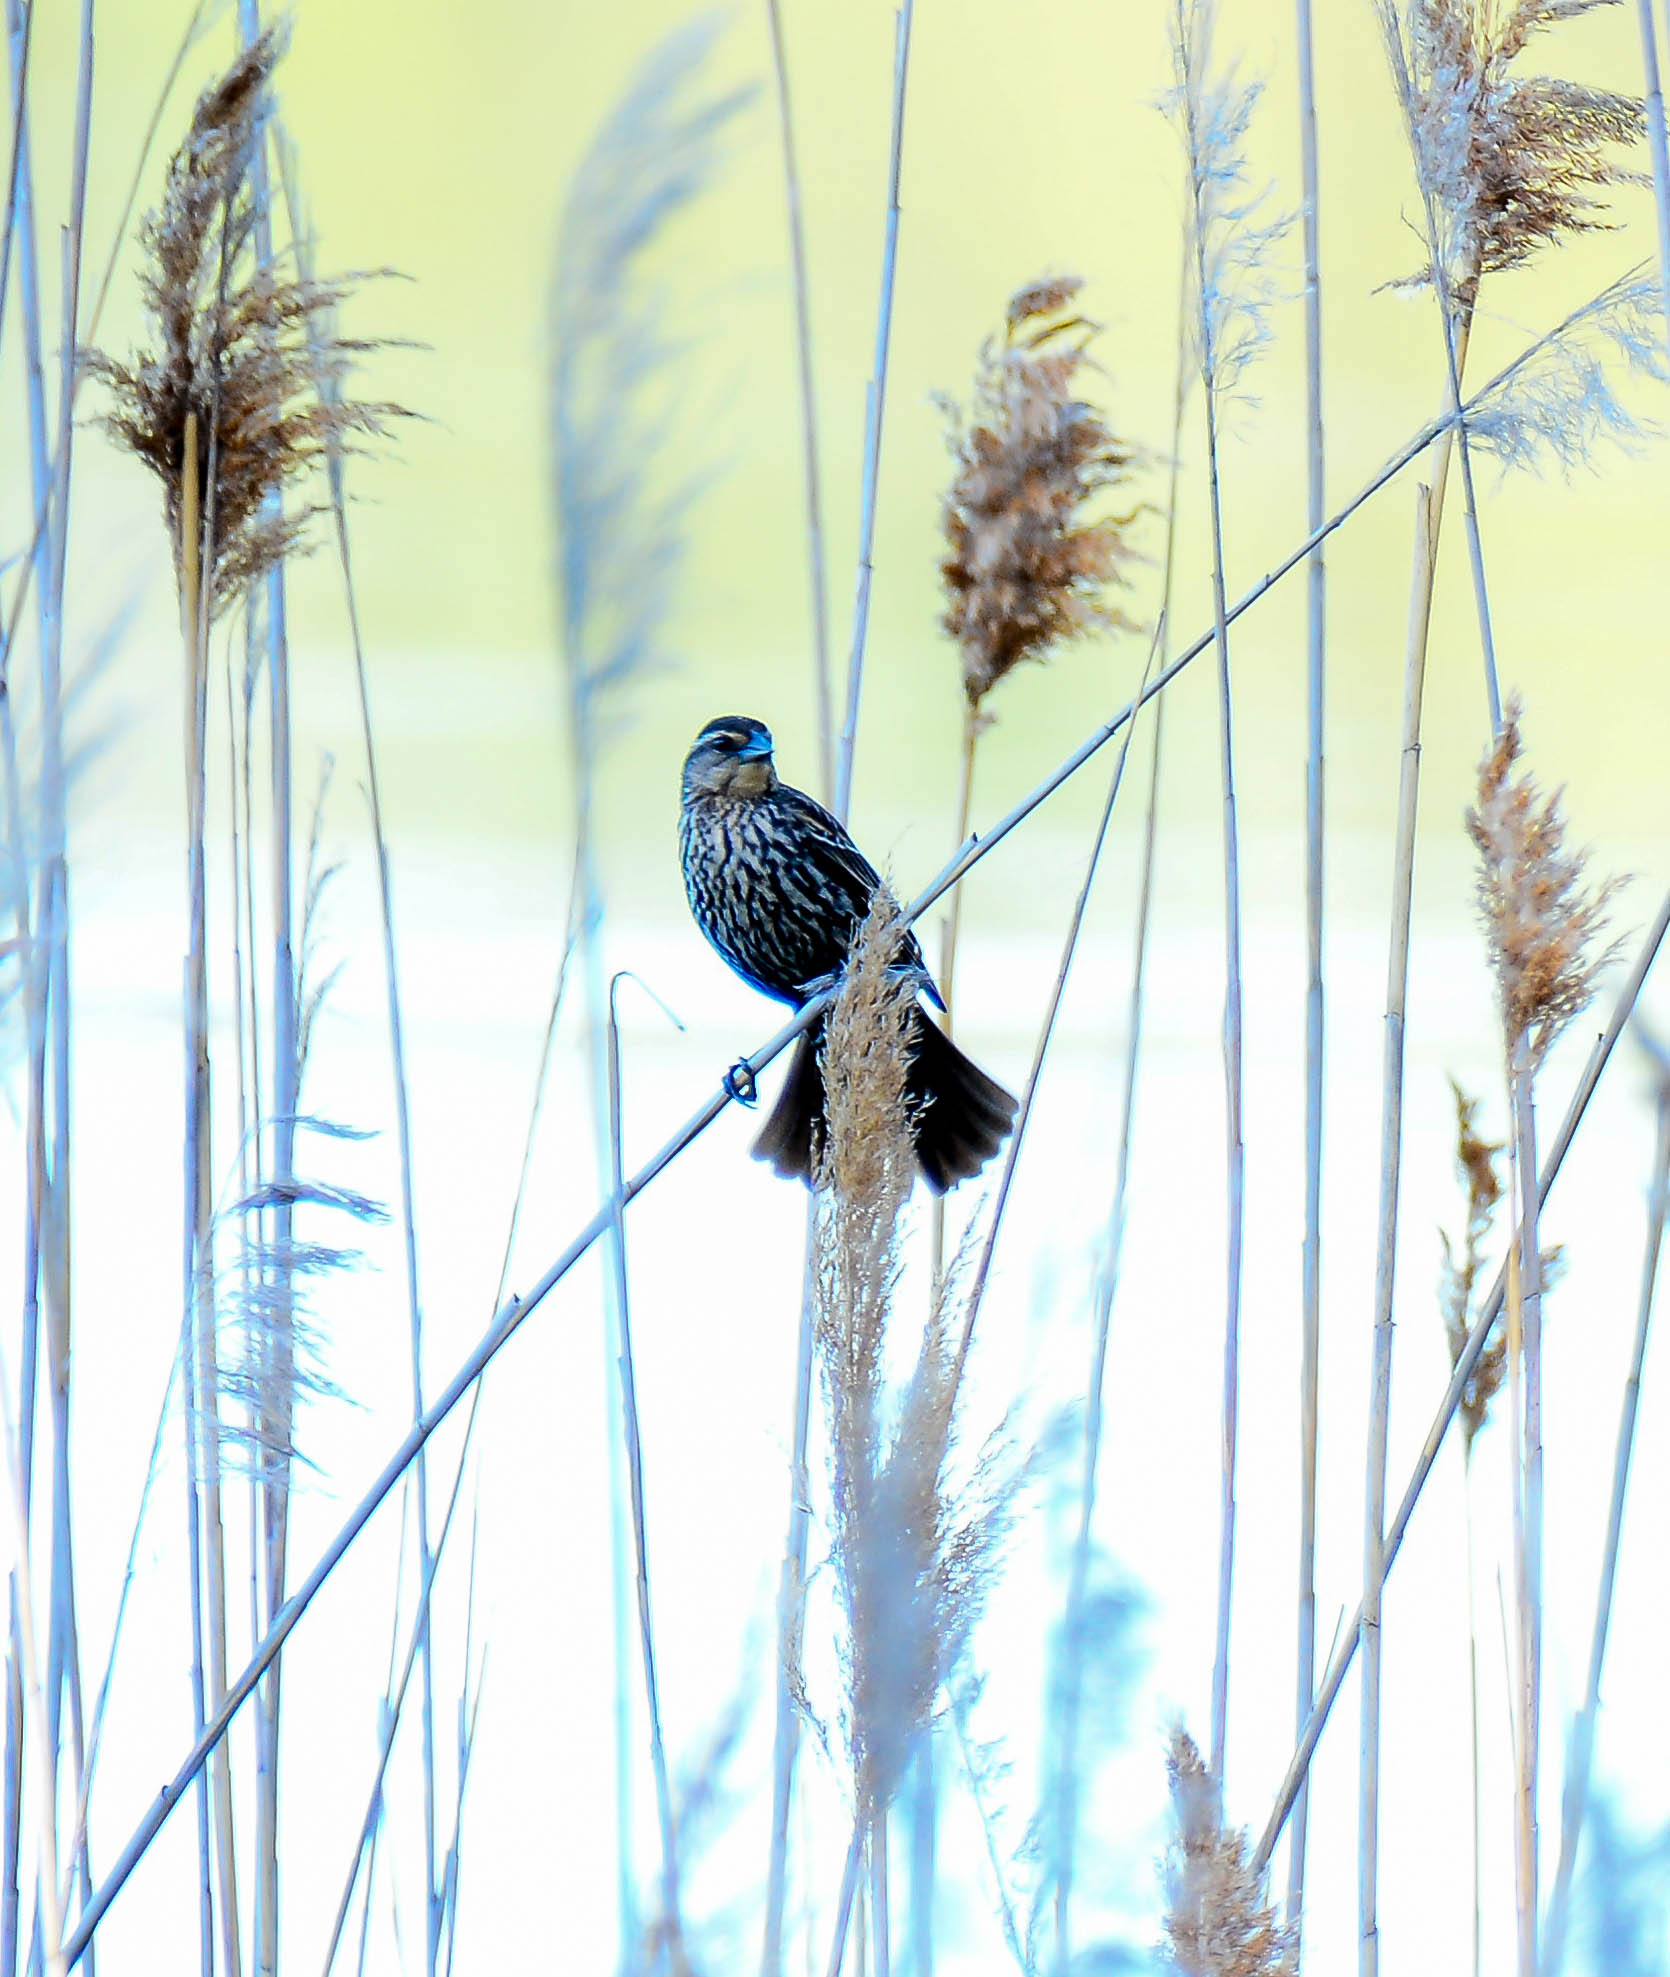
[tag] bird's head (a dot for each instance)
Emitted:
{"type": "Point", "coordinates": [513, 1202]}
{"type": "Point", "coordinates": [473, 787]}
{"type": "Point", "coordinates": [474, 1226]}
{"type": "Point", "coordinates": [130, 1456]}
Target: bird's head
{"type": "Point", "coordinates": [731, 758]}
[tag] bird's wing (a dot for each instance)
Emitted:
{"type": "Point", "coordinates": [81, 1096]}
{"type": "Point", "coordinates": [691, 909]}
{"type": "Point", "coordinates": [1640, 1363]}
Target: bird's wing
{"type": "Point", "coordinates": [845, 866]}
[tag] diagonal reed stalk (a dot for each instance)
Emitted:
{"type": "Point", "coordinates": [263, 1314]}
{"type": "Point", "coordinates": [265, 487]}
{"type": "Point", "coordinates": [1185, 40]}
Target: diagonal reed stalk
{"type": "Point", "coordinates": [1461, 1377]}
{"type": "Point", "coordinates": [509, 1319]}
{"type": "Point", "coordinates": [1581, 1758]}
{"type": "Point", "coordinates": [1315, 1007]}
{"type": "Point", "coordinates": [877, 405]}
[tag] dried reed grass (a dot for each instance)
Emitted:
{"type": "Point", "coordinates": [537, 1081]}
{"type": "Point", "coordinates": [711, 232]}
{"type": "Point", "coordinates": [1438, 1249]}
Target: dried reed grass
{"type": "Point", "coordinates": [1543, 918]}
{"type": "Point", "coordinates": [1475, 1159]}
{"type": "Point", "coordinates": [1024, 569]}
{"type": "Point", "coordinates": [1217, 1921]}
{"type": "Point", "coordinates": [912, 1553]}
{"type": "Point", "coordinates": [240, 350]}
{"type": "Point", "coordinates": [1511, 162]}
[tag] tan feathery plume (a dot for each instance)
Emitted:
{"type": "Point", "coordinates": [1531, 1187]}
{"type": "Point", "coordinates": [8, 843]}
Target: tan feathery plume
{"type": "Point", "coordinates": [1510, 161]}
{"type": "Point", "coordinates": [248, 354]}
{"type": "Point", "coordinates": [1218, 1922]}
{"type": "Point", "coordinates": [912, 1556]}
{"type": "Point", "coordinates": [1544, 922]}
{"type": "Point", "coordinates": [1023, 570]}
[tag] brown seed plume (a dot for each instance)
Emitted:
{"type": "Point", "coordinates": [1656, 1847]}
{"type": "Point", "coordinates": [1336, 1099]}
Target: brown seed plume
{"type": "Point", "coordinates": [1217, 1920]}
{"type": "Point", "coordinates": [1511, 161]}
{"type": "Point", "coordinates": [1475, 1159]}
{"type": "Point", "coordinates": [1023, 570]}
{"type": "Point", "coordinates": [1543, 920]}
{"type": "Point", "coordinates": [249, 353]}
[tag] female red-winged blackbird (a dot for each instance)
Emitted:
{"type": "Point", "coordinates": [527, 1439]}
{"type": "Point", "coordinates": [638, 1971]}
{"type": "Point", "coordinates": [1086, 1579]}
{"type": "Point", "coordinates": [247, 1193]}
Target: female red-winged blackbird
{"type": "Point", "coordinates": [780, 889]}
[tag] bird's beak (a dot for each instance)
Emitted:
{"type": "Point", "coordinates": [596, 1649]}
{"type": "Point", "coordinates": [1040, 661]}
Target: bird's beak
{"type": "Point", "coordinates": [757, 750]}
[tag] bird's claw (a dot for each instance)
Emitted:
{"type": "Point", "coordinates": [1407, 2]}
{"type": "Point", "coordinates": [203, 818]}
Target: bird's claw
{"type": "Point", "coordinates": [739, 1083]}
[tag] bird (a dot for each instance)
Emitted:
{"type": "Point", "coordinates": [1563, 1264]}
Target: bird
{"type": "Point", "coordinates": [780, 889]}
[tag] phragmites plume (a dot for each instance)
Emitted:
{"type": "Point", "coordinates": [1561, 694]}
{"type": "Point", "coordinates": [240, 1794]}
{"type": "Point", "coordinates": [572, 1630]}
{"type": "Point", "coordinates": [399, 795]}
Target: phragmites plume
{"type": "Point", "coordinates": [912, 1556]}
{"type": "Point", "coordinates": [1023, 568]}
{"type": "Point", "coordinates": [1543, 921]}
{"type": "Point", "coordinates": [1475, 1159]}
{"type": "Point", "coordinates": [1217, 1920]}
{"type": "Point", "coordinates": [246, 372]}
{"type": "Point", "coordinates": [1510, 162]}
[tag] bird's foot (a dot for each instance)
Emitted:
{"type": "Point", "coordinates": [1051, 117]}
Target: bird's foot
{"type": "Point", "coordinates": [739, 1083]}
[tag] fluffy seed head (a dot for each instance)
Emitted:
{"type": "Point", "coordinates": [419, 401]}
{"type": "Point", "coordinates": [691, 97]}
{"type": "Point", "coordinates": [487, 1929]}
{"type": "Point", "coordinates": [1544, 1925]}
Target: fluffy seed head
{"type": "Point", "coordinates": [1543, 920]}
{"type": "Point", "coordinates": [1217, 1920]}
{"type": "Point", "coordinates": [1023, 570]}
{"type": "Point", "coordinates": [1511, 162]}
{"type": "Point", "coordinates": [1475, 1159]}
{"type": "Point", "coordinates": [248, 353]}
{"type": "Point", "coordinates": [912, 1554]}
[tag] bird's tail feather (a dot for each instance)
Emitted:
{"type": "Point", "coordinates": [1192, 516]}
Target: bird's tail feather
{"type": "Point", "coordinates": [961, 1116]}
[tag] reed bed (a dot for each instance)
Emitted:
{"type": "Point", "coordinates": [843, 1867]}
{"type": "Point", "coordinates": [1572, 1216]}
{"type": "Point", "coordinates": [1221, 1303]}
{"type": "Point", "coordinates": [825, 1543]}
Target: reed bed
{"type": "Point", "coordinates": [941, 1749]}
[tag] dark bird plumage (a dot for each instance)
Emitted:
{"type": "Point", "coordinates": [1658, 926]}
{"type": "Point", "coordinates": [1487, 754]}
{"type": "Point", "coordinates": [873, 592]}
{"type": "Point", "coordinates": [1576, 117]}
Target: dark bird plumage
{"type": "Point", "coordinates": [780, 889]}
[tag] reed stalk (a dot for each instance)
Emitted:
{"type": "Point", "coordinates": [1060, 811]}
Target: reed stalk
{"type": "Point", "coordinates": [1429, 509]}
{"type": "Point", "coordinates": [49, 1909]}
{"type": "Point", "coordinates": [196, 1170]}
{"type": "Point", "coordinates": [1078, 1571]}
{"type": "Point", "coordinates": [822, 699]}
{"type": "Point", "coordinates": [35, 956]}
{"type": "Point", "coordinates": [1315, 1005]}
{"type": "Point", "coordinates": [671, 1907]}
{"type": "Point", "coordinates": [1658, 148]}
{"type": "Point", "coordinates": [877, 405]}
{"type": "Point", "coordinates": [791, 1616]}
{"type": "Point", "coordinates": [1462, 1375]}
{"type": "Point", "coordinates": [1580, 1762]}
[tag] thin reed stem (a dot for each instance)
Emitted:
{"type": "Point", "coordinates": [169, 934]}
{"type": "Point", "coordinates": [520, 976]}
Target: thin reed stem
{"type": "Point", "coordinates": [1528, 1528]}
{"type": "Point", "coordinates": [1580, 1762]}
{"type": "Point", "coordinates": [844, 1900]}
{"type": "Point", "coordinates": [337, 483]}
{"type": "Point", "coordinates": [1339, 1662]}
{"type": "Point", "coordinates": [670, 1903]}
{"type": "Point", "coordinates": [196, 1176]}
{"type": "Point", "coordinates": [396, 1691]}
{"type": "Point", "coordinates": [1078, 1573]}
{"type": "Point", "coordinates": [1193, 57]}
{"type": "Point", "coordinates": [1429, 510]}
{"type": "Point", "coordinates": [1391, 1148]}
{"type": "Point", "coordinates": [877, 408]}
{"type": "Point", "coordinates": [1046, 1035]}
{"type": "Point", "coordinates": [50, 1914]}
{"type": "Point", "coordinates": [881, 1934]}
{"type": "Point", "coordinates": [973, 725]}
{"type": "Point", "coordinates": [1232, 1035]}
{"type": "Point", "coordinates": [1473, 1717]}
{"type": "Point", "coordinates": [63, 1651]}
{"type": "Point", "coordinates": [1310, 1349]}
{"type": "Point", "coordinates": [791, 1616]}
{"type": "Point", "coordinates": [821, 685]}
{"type": "Point", "coordinates": [1656, 144]}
